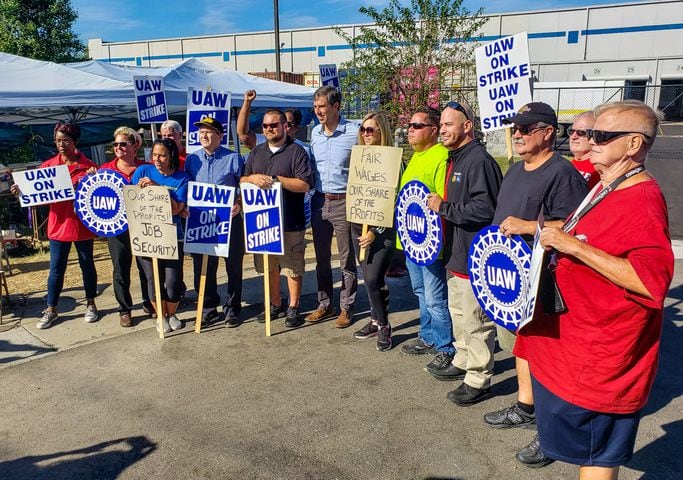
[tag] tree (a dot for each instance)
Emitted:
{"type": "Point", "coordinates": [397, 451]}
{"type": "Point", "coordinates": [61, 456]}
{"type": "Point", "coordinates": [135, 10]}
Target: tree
{"type": "Point", "coordinates": [411, 56]}
{"type": "Point", "coordinates": [40, 29]}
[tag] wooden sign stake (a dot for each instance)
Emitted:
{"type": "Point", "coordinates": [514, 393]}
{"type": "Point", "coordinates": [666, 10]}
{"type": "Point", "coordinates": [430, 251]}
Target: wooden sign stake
{"type": "Point", "coordinates": [200, 298]}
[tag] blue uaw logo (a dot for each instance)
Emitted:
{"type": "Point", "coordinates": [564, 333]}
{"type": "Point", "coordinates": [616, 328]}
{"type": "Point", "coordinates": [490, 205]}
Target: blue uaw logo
{"type": "Point", "coordinates": [99, 203]}
{"type": "Point", "coordinates": [418, 228]}
{"type": "Point", "coordinates": [499, 273]}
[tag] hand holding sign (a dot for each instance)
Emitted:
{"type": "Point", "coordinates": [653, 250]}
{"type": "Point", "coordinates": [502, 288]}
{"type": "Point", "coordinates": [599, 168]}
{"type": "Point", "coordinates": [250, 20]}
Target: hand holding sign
{"type": "Point", "coordinates": [44, 185]}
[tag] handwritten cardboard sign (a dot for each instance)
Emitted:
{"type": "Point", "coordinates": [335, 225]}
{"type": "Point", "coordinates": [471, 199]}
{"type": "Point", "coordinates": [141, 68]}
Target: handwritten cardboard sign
{"type": "Point", "coordinates": [44, 185]}
{"type": "Point", "coordinates": [210, 220]}
{"type": "Point", "coordinates": [371, 192]}
{"type": "Point", "coordinates": [150, 222]}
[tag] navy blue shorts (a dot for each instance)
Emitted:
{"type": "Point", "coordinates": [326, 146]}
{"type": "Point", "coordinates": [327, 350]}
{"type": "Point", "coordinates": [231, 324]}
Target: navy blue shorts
{"type": "Point", "coordinates": [583, 437]}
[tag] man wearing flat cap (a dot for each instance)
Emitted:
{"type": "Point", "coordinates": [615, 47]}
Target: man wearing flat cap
{"type": "Point", "coordinates": [543, 180]}
{"type": "Point", "coordinates": [220, 166]}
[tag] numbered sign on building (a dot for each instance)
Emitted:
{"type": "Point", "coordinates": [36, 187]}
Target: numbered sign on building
{"type": "Point", "coordinates": [263, 223]}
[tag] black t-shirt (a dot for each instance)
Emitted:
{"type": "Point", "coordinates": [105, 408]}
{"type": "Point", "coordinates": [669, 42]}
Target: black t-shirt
{"type": "Point", "coordinates": [556, 186]}
{"type": "Point", "coordinates": [291, 161]}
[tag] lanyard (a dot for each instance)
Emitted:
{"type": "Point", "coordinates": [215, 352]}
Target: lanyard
{"type": "Point", "coordinates": [586, 205]}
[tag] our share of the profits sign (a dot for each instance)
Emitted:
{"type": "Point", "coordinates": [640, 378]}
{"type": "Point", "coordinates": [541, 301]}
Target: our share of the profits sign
{"type": "Point", "coordinates": [369, 188]}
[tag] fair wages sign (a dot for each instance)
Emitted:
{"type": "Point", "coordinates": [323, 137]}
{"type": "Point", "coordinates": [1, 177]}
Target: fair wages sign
{"type": "Point", "coordinates": [150, 99]}
{"type": "Point", "coordinates": [371, 192]}
{"type": "Point", "coordinates": [209, 224]}
{"type": "Point", "coordinates": [44, 185]}
{"type": "Point", "coordinates": [503, 79]}
{"type": "Point", "coordinates": [150, 222]}
{"type": "Point", "coordinates": [263, 225]}
{"type": "Point", "coordinates": [206, 103]}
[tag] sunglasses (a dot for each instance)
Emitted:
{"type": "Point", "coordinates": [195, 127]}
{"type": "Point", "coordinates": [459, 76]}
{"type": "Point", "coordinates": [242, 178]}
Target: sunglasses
{"type": "Point", "coordinates": [368, 130]}
{"type": "Point", "coordinates": [272, 126]}
{"type": "Point", "coordinates": [580, 133]}
{"type": "Point", "coordinates": [603, 136]}
{"type": "Point", "coordinates": [525, 130]}
{"type": "Point", "coordinates": [457, 106]}
{"type": "Point", "coordinates": [290, 124]}
{"type": "Point", "coordinates": [419, 126]}
{"type": "Point", "coordinates": [120, 144]}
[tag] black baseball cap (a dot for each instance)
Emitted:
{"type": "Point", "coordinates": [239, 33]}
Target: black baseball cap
{"type": "Point", "coordinates": [532, 113]}
{"type": "Point", "coordinates": [211, 123]}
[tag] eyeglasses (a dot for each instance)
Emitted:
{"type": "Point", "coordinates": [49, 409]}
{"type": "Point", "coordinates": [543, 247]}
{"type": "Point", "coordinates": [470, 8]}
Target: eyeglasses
{"type": "Point", "coordinates": [272, 126]}
{"type": "Point", "coordinates": [603, 136]}
{"type": "Point", "coordinates": [63, 141]}
{"type": "Point", "coordinates": [524, 130]}
{"type": "Point", "coordinates": [457, 106]}
{"type": "Point", "coordinates": [120, 144]}
{"type": "Point", "coordinates": [580, 133]}
{"type": "Point", "coordinates": [368, 130]}
{"type": "Point", "coordinates": [419, 126]}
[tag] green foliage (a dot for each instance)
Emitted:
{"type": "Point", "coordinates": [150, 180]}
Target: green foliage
{"type": "Point", "coordinates": [40, 29]}
{"type": "Point", "coordinates": [412, 56]}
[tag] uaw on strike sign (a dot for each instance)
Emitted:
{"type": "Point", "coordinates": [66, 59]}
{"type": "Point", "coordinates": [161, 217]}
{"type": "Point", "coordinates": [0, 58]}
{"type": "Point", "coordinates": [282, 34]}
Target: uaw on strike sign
{"type": "Point", "coordinates": [209, 224]}
{"type": "Point", "coordinates": [150, 99]}
{"type": "Point", "coordinates": [44, 185]}
{"type": "Point", "coordinates": [503, 79]}
{"type": "Point", "coordinates": [263, 225]}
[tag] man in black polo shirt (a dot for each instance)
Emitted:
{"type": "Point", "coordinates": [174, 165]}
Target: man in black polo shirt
{"type": "Point", "coordinates": [282, 160]}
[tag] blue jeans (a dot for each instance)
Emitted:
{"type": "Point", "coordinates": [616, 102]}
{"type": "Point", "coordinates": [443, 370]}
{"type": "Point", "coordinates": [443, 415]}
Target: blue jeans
{"type": "Point", "coordinates": [59, 255]}
{"type": "Point", "coordinates": [429, 284]}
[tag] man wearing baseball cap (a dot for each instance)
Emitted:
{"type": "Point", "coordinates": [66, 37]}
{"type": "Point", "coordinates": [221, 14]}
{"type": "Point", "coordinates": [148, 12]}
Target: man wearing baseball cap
{"type": "Point", "coordinates": [542, 181]}
{"type": "Point", "coordinates": [220, 166]}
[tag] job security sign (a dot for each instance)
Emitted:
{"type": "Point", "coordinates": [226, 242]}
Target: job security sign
{"type": "Point", "coordinates": [263, 225]}
{"type": "Point", "coordinates": [208, 226]}
{"type": "Point", "coordinates": [503, 79]}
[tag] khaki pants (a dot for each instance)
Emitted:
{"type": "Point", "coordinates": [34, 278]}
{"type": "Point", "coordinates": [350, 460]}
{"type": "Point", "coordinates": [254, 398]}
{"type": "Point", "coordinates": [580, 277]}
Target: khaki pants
{"type": "Point", "coordinates": [474, 334]}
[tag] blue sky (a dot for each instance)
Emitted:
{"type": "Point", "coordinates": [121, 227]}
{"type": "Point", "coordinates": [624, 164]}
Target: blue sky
{"type": "Point", "coordinates": [121, 20]}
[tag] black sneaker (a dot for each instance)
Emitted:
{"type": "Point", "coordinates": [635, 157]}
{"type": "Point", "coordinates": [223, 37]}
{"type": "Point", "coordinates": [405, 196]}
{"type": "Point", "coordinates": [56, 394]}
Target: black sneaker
{"type": "Point", "coordinates": [275, 313]}
{"type": "Point", "coordinates": [465, 395]}
{"type": "Point", "coordinates": [384, 338]}
{"type": "Point", "coordinates": [441, 361]}
{"type": "Point", "coordinates": [369, 330]}
{"type": "Point", "coordinates": [532, 455]}
{"type": "Point", "coordinates": [232, 319]}
{"type": "Point", "coordinates": [148, 308]}
{"type": "Point", "coordinates": [293, 318]}
{"type": "Point", "coordinates": [418, 347]}
{"type": "Point", "coordinates": [511, 417]}
{"type": "Point", "coordinates": [447, 374]}
{"type": "Point", "coordinates": [209, 317]}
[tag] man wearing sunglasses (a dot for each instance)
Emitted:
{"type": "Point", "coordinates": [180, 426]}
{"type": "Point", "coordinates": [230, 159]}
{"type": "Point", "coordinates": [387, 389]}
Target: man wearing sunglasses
{"type": "Point", "coordinates": [218, 165]}
{"type": "Point", "coordinates": [331, 143]}
{"type": "Point", "coordinates": [428, 165]}
{"type": "Point", "coordinates": [472, 183]}
{"type": "Point", "coordinates": [580, 147]}
{"type": "Point", "coordinates": [282, 160]}
{"type": "Point", "coordinates": [543, 180]}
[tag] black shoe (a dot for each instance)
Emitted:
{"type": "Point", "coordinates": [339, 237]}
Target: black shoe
{"type": "Point", "coordinates": [384, 338]}
{"type": "Point", "coordinates": [451, 372]}
{"type": "Point", "coordinates": [369, 330]}
{"type": "Point", "coordinates": [465, 395]}
{"type": "Point", "coordinates": [275, 313]}
{"type": "Point", "coordinates": [293, 318]}
{"type": "Point", "coordinates": [440, 361]}
{"type": "Point", "coordinates": [148, 308]}
{"type": "Point", "coordinates": [418, 347]}
{"type": "Point", "coordinates": [532, 455]}
{"type": "Point", "coordinates": [209, 317]}
{"type": "Point", "coordinates": [511, 417]}
{"type": "Point", "coordinates": [232, 319]}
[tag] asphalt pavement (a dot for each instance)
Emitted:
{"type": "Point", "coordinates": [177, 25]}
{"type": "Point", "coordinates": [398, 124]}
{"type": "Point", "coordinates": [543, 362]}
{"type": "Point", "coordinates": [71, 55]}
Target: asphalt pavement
{"type": "Point", "coordinates": [96, 401]}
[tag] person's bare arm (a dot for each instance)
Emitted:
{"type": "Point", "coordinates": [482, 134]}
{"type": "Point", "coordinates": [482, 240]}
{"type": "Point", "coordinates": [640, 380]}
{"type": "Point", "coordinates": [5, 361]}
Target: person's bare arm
{"type": "Point", "coordinates": [246, 136]}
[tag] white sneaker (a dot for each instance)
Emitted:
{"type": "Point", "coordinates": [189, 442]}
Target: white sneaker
{"type": "Point", "coordinates": [46, 321]}
{"type": "Point", "coordinates": [165, 325]}
{"type": "Point", "coordinates": [174, 323]}
{"type": "Point", "coordinates": [91, 314]}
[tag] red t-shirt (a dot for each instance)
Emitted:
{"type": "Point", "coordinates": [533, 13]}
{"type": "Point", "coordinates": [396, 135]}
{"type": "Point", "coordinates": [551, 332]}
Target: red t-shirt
{"type": "Point", "coordinates": [62, 222]}
{"type": "Point", "coordinates": [602, 353]}
{"type": "Point", "coordinates": [113, 165]}
{"type": "Point", "coordinates": [587, 170]}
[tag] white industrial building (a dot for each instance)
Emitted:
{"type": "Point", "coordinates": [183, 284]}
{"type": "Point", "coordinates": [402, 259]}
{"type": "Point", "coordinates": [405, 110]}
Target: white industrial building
{"type": "Point", "coordinates": [639, 43]}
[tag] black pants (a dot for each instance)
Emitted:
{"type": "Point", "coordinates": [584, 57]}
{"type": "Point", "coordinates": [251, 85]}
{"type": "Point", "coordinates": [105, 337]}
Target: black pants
{"type": "Point", "coordinates": [122, 261]}
{"type": "Point", "coordinates": [170, 277]}
{"type": "Point", "coordinates": [233, 266]}
{"type": "Point", "coordinates": [374, 267]}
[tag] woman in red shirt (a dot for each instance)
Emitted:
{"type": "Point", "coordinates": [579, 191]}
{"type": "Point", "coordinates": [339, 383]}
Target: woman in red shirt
{"type": "Point", "coordinates": [64, 228]}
